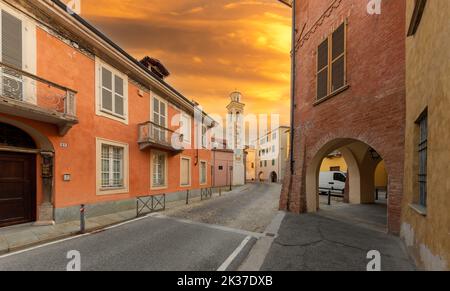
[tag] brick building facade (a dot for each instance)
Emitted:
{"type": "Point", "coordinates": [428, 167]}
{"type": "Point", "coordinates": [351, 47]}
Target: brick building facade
{"type": "Point", "coordinates": [349, 96]}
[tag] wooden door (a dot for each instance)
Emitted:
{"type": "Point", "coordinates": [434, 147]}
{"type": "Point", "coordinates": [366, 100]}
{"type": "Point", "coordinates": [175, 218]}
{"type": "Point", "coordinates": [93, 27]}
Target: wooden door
{"type": "Point", "coordinates": [17, 188]}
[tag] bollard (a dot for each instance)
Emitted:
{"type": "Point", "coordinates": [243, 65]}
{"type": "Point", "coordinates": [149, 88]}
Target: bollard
{"type": "Point", "coordinates": [187, 197]}
{"type": "Point", "coordinates": [220, 191]}
{"type": "Point", "coordinates": [329, 197]}
{"type": "Point", "coordinates": [82, 219]}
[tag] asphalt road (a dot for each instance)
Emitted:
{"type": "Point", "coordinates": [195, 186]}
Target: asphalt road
{"type": "Point", "coordinates": [251, 208]}
{"type": "Point", "coordinates": [188, 240]}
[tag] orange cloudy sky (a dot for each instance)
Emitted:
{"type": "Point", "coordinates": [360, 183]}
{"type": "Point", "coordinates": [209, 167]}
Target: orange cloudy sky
{"type": "Point", "coordinates": [211, 47]}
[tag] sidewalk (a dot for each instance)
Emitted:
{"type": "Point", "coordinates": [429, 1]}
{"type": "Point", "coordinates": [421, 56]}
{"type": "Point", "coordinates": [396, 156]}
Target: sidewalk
{"type": "Point", "coordinates": [313, 242]}
{"type": "Point", "coordinates": [27, 235]}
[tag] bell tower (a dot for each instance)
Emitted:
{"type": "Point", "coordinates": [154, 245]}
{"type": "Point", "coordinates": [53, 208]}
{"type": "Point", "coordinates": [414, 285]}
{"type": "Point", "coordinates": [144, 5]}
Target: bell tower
{"type": "Point", "coordinates": [236, 136]}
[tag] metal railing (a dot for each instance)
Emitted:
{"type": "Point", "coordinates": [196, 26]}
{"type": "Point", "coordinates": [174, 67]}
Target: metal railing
{"type": "Point", "coordinates": [21, 86]}
{"type": "Point", "coordinates": [150, 132]}
{"type": "Point", "coordinates": [331, 192]}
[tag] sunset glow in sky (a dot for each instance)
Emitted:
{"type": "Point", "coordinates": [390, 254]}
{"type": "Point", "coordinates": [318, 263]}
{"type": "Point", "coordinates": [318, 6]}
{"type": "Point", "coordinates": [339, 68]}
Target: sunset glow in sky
{"type": "Point", "coordinates": [211, 47]}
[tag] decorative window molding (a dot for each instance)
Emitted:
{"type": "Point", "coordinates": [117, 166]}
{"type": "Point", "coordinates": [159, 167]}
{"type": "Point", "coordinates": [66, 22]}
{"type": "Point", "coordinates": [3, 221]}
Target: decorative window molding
{"type": "Point", "coordinates": [111, 92]}
{"type": "Point", "coordinates": [120, 168]}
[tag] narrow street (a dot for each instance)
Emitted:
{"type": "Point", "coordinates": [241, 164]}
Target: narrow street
{"type": "Point", "coordinates": [201, 236]}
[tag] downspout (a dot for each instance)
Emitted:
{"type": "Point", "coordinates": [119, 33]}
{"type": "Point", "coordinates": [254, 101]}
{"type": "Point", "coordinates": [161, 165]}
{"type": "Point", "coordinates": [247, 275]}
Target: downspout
{"type": "Point", "coordinates": [292, 132]}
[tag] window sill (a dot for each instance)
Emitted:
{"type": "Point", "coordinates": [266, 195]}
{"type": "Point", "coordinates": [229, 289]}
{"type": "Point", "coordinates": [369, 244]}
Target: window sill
{"type": "Point", "coordinates": [419, 209]}
{"type": "Point", "coordinates": [112, 116]}
{"type": "Point", "coordinates": [156, 188]}
{"type": "Point", "coordinates": [112, 191]}
{"type": "Point", "coordinates": [337, 92]}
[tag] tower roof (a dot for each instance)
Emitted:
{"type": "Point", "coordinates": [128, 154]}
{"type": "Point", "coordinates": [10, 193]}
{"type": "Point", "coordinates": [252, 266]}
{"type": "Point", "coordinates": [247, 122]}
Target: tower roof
{"type": "Point", "coordinates": [236, 96]}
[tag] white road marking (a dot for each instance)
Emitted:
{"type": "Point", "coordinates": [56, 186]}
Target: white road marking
{"type": "Point", "coordinates": [213, 226]}
{"type": "Point", "coordinates": [258, 253]}
{"type": "Point", "coordinates": [154, 215]}
{"type": "Point", "coordinates": [71, 238]}
{"type": "Point", "coordinates": [236, 252]}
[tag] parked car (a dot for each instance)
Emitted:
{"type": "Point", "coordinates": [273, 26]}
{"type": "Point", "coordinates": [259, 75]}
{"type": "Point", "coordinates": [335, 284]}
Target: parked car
{"type": "Point", "coordinates": [333, 180]}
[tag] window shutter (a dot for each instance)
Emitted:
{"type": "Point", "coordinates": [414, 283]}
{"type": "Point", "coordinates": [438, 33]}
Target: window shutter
{"type": "Point", "coordinates": [107, 89]}
{"type": "Point", "coordinates": [118, 95]}
{"type": "Point", "coordinates": [11, 40]}
{"type": "Point", "coordinates": [185, 172]}
{"type": "Point", "coordinates": [322, 70]}
{"type": "Point", "coordinates": [338, 59]}
{"type": "Point", "coordinates": [11, 34]}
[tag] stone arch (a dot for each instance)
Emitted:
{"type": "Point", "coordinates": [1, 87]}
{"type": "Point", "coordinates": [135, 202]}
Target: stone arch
{"type": "Point", "coordinates": [42, 142]}
{"type": "Point", "coordinates": [361, 168]}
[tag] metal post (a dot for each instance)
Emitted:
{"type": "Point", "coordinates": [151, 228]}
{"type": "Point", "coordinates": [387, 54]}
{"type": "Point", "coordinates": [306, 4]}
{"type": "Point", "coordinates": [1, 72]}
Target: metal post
{"type": "Point", "coordinates": [82, 219]}
{"type": "Point", "coordinates": [329, 197]}
{"type": "Point", "coordinates": [187, 197]}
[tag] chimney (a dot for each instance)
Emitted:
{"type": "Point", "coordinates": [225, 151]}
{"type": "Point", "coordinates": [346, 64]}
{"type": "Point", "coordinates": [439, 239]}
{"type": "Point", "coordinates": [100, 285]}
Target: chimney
{"type": "Point", "coordinates": [156, 67]}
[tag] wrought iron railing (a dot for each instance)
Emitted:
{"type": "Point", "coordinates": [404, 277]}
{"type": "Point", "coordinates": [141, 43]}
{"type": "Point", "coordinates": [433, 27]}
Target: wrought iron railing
{"type": "Point", "coordinates": [21, 86]}
{"type": "Point", "coordinates": [150, 132]}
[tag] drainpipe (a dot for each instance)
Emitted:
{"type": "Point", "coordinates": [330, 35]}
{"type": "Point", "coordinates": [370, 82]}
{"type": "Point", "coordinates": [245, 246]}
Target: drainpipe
{"type": "Point", "coordinates": [292, 133]}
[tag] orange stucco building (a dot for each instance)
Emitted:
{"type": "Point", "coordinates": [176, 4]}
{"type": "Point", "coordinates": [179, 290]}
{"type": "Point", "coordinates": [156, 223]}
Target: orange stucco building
{"type": "Point", "coordinates": [82, 122]}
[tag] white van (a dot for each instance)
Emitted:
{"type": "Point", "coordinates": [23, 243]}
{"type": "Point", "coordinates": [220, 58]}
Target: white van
{"type": "Point", "coordinates": [333, 180]}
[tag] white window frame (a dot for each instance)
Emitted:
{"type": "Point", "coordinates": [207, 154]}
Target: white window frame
{"type": "Point", "coordinates": [100, 111]}
{"type": "Point", "coordinates": [200, 172]}
{"type": "Point", "coordinates": [29, 52]}
{"type": "Point", "coordinates": [187, 136]}
{"type": "Point", "coordinates": [190, 171]}
{"type": "Point", "coordinates": [166, 176]}
{"type": "Point", "coordinates": [111, 191]}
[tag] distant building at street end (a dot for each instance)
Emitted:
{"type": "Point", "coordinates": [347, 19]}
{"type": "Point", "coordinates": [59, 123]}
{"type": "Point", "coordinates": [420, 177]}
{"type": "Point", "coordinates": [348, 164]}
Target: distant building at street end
{"type": "Point", "coordinates": [250, 164]}
{"type": "Point", "coordinates": [222, 164]}
{"type": "Point", "coordinates": [272, 155]}
{"type": "Point", "coordinates": [235, 136]}
{"type": "Point", "coordinates": [425, 224]}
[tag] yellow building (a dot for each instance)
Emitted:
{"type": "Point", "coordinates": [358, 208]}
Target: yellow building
{"type": "Point", "coordinates": [336, 162]}
{"type": "Point", "coordinates": [426, 205]}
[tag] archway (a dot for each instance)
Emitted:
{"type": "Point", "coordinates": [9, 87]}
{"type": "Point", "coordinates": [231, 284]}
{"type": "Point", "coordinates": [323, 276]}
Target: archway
{"type": "Point", "coordinates": [273, 177]}
{"type": "Point", "coordinates": [36, 151]}
{"type": "Point", "coordinates": [17, 176]}
{"type": "Point", "coordinates": [261, 177]}
{"type": "Point", "coordinates": [361, 161]}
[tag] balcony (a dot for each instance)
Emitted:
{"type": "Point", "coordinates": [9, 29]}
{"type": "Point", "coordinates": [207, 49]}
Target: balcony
{"type": "Point", "coordinates": [26, 95]}
{"type": "Point", "coordinates": [152, 135]}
